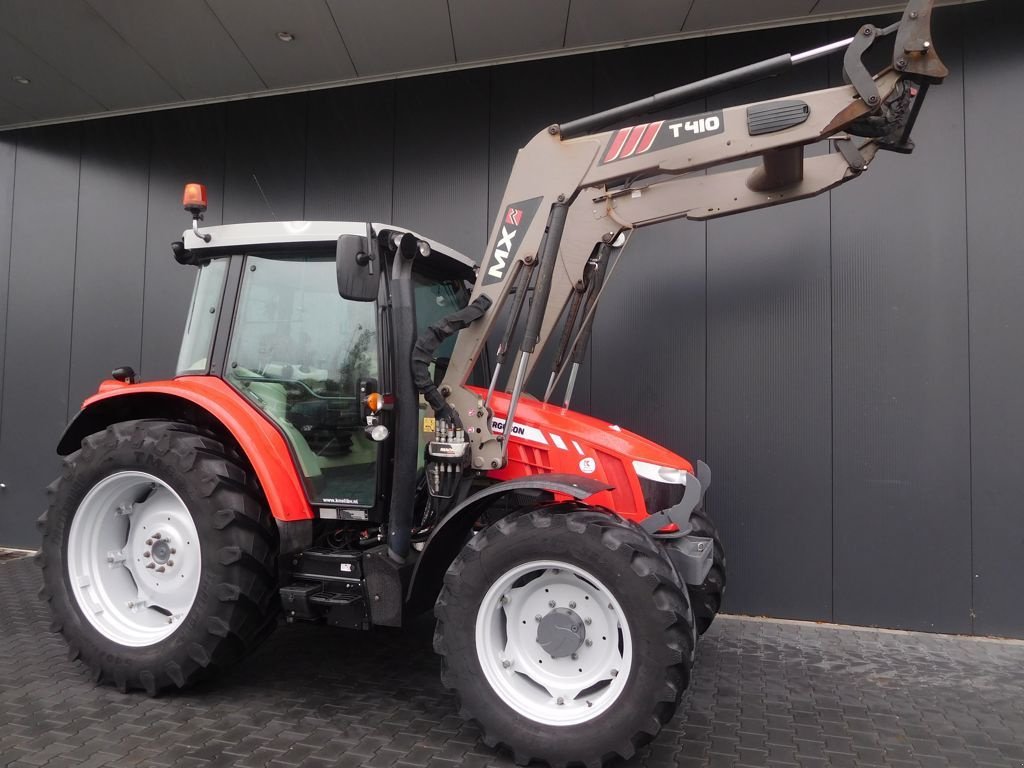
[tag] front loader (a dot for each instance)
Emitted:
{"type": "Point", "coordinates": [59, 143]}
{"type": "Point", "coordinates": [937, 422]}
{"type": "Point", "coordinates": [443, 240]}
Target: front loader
{"type": "Point", "coordinates": [339, 447]}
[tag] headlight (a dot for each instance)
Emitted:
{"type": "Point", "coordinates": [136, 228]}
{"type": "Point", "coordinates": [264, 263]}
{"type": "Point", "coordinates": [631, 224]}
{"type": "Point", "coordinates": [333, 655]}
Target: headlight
{"type": "Point", "coordinates": [660, 474]}
{"type": "Point", "coordinates": [662, 487]}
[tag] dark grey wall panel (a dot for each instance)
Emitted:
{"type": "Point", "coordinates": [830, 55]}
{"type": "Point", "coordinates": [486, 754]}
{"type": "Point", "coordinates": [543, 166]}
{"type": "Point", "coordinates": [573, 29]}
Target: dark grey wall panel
{"type": "Point", "coordinates": [768, 378]}
{"type": "Point", "coordinates": [187, 145]}
{"type": "Point", "coordinates": [900, 370]}
{"type": "Point", "coordinates": [265, 159]}
{"type": "Point", "coordinates": [111, 262]}
{"type": "Point", "coordinates": [441, 158]}
{"type": "Point", "coordinates": [995, 166]}
{"type": "Point", "coordinates": [8, 158]}
{"type": "Point", "coordinates": [42, 275]}
{"type": "Point", "coordinates": [648, 350]}
{"type": "Point", "coordinates": [350, 154]}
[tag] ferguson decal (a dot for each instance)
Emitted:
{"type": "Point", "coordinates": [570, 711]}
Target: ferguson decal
{"type": "Point", "coordinates": [514, 223]}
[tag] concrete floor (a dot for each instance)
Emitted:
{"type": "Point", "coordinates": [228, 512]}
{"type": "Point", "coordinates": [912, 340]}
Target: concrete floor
{"type": "Point", "coordinates": [764, 693]}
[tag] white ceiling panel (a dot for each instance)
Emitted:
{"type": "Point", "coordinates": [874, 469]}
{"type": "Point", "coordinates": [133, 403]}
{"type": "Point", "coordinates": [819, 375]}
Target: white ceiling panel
{"type": "Point", "coordinates": [851, 6]}
{"type": "Point", "coordinates": [48, 94]}
{"type": "Point", "coordinates": [870, 7]}
{"type": "Point", "coordinates": [386, 36]}
{"type": "Point", "coordinates": [316, 55]}
{"type": "Point", "coordinates": [10, 114]}
{"type": "Point", "coordinates": [185, 42]}
{"type": "Point", "coordinates": [592, 22]}
{"type": "Point", "coordinates": [492, 29]}
{"type": "Point", "coordinates": [81, 46]}
{"type": "Point", "coordinates": [717, 14]}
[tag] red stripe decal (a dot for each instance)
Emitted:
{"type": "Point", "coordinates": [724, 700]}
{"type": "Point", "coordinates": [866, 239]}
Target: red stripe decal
{"type": "Point", "coordinates": [616, 146]}
{"type": "Point", "coordinates": [634, 139]}
{"type": "Point", "coordinates": [649, 136]}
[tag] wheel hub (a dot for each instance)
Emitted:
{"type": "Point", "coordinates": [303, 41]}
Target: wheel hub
{"type": "Point", "coordinates": [561, 632]}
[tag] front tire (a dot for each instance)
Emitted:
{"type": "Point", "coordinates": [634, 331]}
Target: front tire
{"type": "Point", "coordinates": [587, 679]}
{"type": "Point", "coordinates": [159, 559]}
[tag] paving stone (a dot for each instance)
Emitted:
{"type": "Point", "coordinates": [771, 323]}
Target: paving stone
{"type": "Point", "coordinates": [762, 694]}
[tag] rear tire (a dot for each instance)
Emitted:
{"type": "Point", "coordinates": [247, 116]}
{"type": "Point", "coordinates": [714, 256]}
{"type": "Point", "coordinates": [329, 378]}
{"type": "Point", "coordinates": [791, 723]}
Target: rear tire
{"type": "Point", "coordinates": [181, 620]}
{"type": "Point", "coordinates": [706, 599]}
{"type": "Point", "coordinates": [487, 615]}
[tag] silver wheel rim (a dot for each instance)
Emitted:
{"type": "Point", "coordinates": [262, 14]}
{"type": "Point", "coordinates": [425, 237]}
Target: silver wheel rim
{"type": "Point", "coordinates": [563, 690]}
{"type": "Point", "coordinates": [134, 559]}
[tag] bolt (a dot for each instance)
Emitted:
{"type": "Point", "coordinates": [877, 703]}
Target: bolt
{"type": "Point", "coordinates": [866, 31]}
{"type": "Point", "coordinates": [590, 703]}
{"type": "Point", "coordinates": [610, 608]}
{"type": "Point", "coordinates": [537, 618]}
{"type": "Point", "coordinates": [901, 63]}
{"type": "Point", "coordinates": [553, 130]}
{"type": "Point", "coordinates": [506, 663]}
{"type": "Point", "coordinates": [927, 45]}
{"type": "Point", "coordinates": [156, 535]}
{"type": "Point", "coordinates": [561, 701]}
{"type": "Point", "coordinates": [572, 603]}
{"type": "Point", "coordinates": [494, 464]}
{"type": "Point", "coordinates": [615, 673]}
{"type": "Point", "coordinates": [587, 621]}
{"type": "Point", "coordinates": [561, 198]}
{"type": "Point", "coordinates": [575, 656]}
{"type": "Point", "coordinates": [872, 100]}
{"type": "Point", "coordinates": [504, 600]}
{"type": "Point", "coordinates": [913, 14]}
{"type": "Point", "coordinates": [149, 542]}
{"type": "Point", "coordinates": [252, 267]}
{"type": "Point", "coordinates": [529, 259]}
{"type": "Point", "coordinates": [151, 565]}
{"type": "Point", "coordinates": [573, 628]}
{"type": "Point", "coordinates": [589, 643]}
{"type": "Point", "coordinates": [170, 620]}
{"type": "Point", "coordinates": [551, 603]}
{"type": "Point", "coordinates": [170, 563]}
{"type": "Point", "coordinates": [174, 551]}
{"type": "Point", "coordinates": [700, 547]}
{"type": "Point", "coordinates": [161, 569]}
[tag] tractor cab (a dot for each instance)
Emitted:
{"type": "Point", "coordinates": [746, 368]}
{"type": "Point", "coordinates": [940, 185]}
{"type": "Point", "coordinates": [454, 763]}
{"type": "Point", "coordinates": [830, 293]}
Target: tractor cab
{"type": "Point", "coordinates": [268, 318]}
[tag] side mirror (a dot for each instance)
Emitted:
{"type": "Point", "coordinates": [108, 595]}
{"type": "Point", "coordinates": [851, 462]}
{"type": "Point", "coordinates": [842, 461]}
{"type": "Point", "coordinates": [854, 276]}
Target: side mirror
{"type": "Point", "coordinates": [358, 279]}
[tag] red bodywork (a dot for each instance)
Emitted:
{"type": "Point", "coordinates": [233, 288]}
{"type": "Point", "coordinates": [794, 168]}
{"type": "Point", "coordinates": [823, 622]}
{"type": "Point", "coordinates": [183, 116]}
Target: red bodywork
{"type": "Point", "coordinates": [546, 438]}
{"type": "Point", "coordinates": [549, 438]}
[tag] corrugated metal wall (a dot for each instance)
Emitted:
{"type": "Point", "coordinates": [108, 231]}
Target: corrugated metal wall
{"type": "Point", "coordinates": [850, 366]}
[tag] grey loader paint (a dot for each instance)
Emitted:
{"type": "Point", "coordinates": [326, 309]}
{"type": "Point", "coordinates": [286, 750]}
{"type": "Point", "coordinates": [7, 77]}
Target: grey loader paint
{"type": "Point", "coordinates": [850, 366]}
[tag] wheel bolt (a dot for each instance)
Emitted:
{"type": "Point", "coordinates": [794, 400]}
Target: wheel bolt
{"type": "Point", "coordinates": [506, 663]}
{"type": "Point", "coordinates": [149, 542]}
{"type": "Point", "coordinates": [551, 603]}
{"type": "Point", "coordinates": [588, 621]}
{"type": "Point", "coordinates": [537, 617]}
{"type": "Point", "coordinates": [572, 603]}
{"type": "Point", "coordinates": [151, 565]}
{"type": "Point", "coordinates": [156, 535]}
{"type": "Point", "coordinates": [174, 551]}
{"type": "Point", "coordinates": [161, 569]}
{"type": "Point", "coordinates": [170, 563]}
{"type": "Point", "coordinates": [615, 673]}
{"type": "Point", "coordinates": [145, 554]}
{"type": "Point", "coordinates": [589, 643]}
{"type": "Point", "coordinates": [504, 600]}
{"type": "Point", "coordinates": [575, 656]}
{"type": "Point", "coordinates": [561, 701]}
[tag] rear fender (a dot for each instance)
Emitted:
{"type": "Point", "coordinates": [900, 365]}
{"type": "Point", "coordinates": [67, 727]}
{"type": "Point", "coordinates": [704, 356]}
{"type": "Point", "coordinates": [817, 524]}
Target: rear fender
{"type": "Point", "coordinates": [448, 536]}
{"type": "Point", "coordinates": [209, 402]}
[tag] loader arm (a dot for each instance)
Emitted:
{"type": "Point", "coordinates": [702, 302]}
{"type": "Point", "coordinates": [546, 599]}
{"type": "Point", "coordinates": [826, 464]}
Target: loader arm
{"type": "Point", "coordinates": [576, 194]}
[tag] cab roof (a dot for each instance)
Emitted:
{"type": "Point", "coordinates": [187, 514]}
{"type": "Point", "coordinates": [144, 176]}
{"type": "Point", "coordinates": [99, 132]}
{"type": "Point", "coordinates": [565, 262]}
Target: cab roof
{"type": "Point", "coordinates": [285, 233]}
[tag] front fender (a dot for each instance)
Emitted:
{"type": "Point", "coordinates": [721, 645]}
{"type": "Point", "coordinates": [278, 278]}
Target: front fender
{"type": "Point", "coordinates": [262, 443]}
{"type": "Point", "coordinates": [448, 535]}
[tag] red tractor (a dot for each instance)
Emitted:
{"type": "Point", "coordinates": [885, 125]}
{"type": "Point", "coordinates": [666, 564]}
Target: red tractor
{"type": "Point", "coordinates": [338, 447]}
